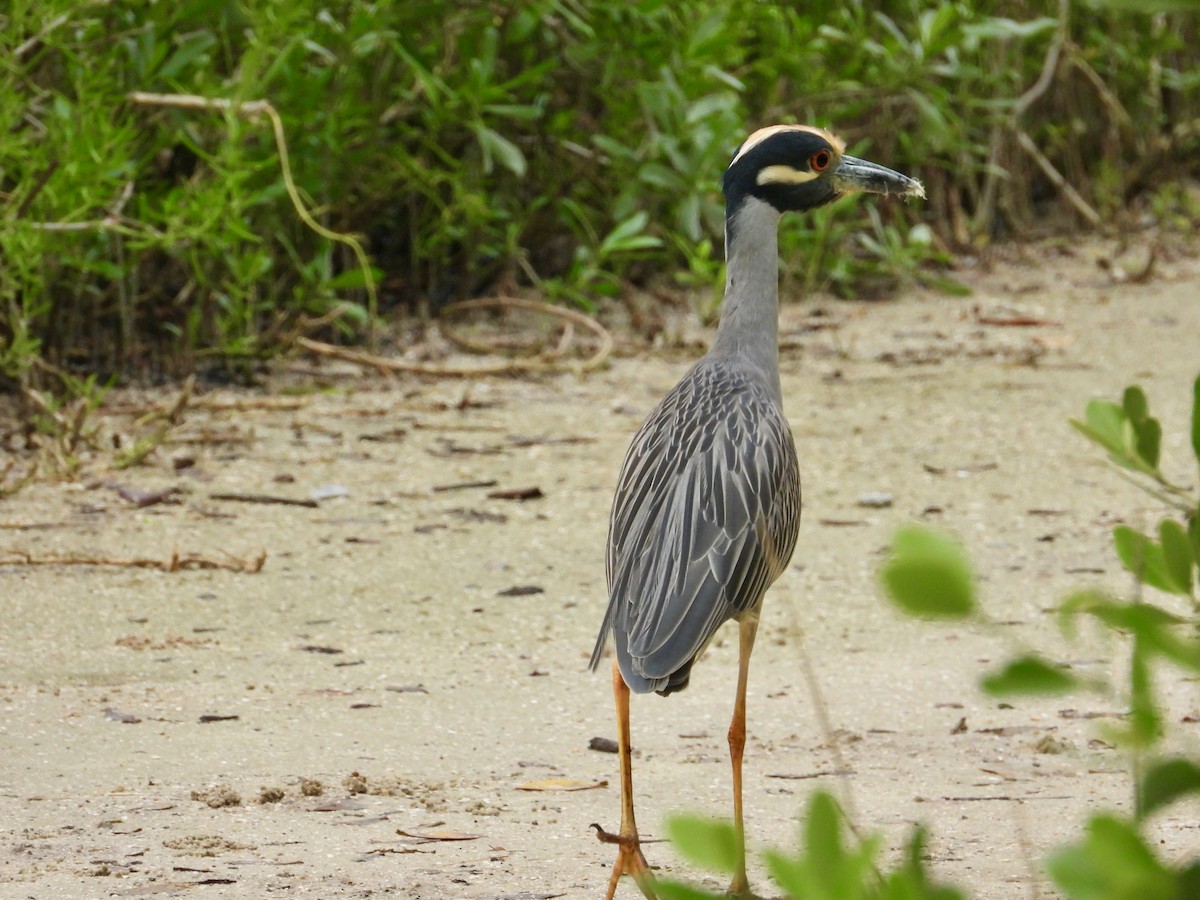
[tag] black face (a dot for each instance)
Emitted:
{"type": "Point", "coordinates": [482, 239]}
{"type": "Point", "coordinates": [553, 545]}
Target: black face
{"type": "Point", "coordinates": [784, 169]}
{"type": "Point", "coordinates": [796, 168]}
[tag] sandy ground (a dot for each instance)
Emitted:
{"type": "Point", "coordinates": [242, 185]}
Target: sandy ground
{"type": "Point", "coordinates": [409, 661]}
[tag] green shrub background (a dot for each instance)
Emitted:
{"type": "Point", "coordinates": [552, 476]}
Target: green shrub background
{"type": "Point", "coordinates": [569, 146]}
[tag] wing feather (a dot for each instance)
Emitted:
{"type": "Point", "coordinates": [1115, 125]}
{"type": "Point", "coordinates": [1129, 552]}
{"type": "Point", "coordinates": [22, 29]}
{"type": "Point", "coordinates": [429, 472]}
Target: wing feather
{"type": "Point", "coordinates": [704, 520]}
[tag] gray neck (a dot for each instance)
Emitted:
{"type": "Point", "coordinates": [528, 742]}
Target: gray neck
{"type": "Point", "coordinates": [749, 329]}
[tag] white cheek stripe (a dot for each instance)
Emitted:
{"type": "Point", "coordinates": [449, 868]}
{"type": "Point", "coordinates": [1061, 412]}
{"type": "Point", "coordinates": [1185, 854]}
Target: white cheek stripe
{"type": "Point", "coordinates": [785, 175]}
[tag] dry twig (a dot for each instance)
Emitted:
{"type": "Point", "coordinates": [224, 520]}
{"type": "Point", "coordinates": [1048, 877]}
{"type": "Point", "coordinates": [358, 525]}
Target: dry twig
{"type": "Point", "coordinates": [176, 562]}
{"type": "Point", "coordinates": [544, 363]}
{"type": "Point", "coordinates": [264, 498]}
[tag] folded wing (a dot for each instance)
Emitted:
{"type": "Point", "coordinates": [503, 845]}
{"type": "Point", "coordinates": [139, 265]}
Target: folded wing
{"type": "Point", "coordinates": [705, 518]}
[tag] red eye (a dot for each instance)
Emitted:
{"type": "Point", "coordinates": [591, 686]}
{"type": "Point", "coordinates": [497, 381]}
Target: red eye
{"type": "Point", "coordinates": [819, 161]}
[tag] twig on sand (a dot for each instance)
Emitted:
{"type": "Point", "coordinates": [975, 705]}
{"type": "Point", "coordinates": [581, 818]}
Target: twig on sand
{"type": "Point", "coordinates": [176, 562]}
{"type": "Point", "coordinates": [265, 498]}
{"type": "Point", "coordinates": [549, 361]}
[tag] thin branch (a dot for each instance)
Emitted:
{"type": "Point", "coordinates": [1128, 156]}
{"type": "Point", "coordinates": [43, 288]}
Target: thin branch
{"type": "Point", "coordinates": [250, 109]}
{"type": "Point", "coordinates": [176, 562]}
{"type": "Point", "coordinates": [1056, 178]}
{"type": "Point", "coordinates": [1170, 499]}
{"type": "Point", "coordinates": [386, 364]}
{"type": "Point", "coordinates": [1049, 66]}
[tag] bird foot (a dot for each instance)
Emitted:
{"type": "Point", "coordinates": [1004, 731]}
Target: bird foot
{"type": "Point", "coordinates": [629, 861]}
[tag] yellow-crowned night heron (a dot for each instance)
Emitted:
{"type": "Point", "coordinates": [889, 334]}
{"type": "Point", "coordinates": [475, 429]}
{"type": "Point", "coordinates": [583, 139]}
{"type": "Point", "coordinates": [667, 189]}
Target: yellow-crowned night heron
{"type": "Point", "coordinates": [708, 503]}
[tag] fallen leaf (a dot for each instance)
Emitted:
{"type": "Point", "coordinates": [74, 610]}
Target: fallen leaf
{"type": "Point", "coordinates": [341, 804]}
{"type": "Point", "coordinates": [521, 590]}
{"type": "Point", "coordinates": [140, 498]}
{"type": "Point", "coordinates": [439, 835]}
{"type": "Point", "coordinates": [463, 485]}
{"type": "Point", "coordinates": [1017, 321]}
{"type": "Point", "coordinates": [392, 434]}
{"type": "Point", "coordinates": [561, 784]}
{"type": "Point", "coordinates": [522, 494]}
{"type": "Point", "coordinates": [407, 688]}
{"type": "Point", "coordinates": [1011, 730]}
{"type": "Point", "coordinates": [875, 500]}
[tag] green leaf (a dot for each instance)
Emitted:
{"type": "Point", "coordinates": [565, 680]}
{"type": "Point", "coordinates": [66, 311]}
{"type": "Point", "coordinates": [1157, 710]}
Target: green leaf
{"type": "Point", "coordinates": [496, 146]}
{"type": "Point", "coordinates": [1194, 534]}
{"type": "Point", "coordinates": [1189, 879]}
{"type": "Point", "coordinates": [1104, 422]}
{"type": "Point", "coordinates": [1147, 430]}
{"type": "Point", "coordinates": [1109, 420]}
{"type": "Point", "coordinates": [823, 829]}
{"type": "Point", "coordinates": [1196, 417]}
{"type": "Point", "coordinates": [928, 575]}
{"type": "Point", "coordinates": [1145, 560]}
{"type": "Point", "coordinates": [999, 27]}
{"type": "Point", "coordinates": [1135, 404]}
{"type": "Point", "coordinates": [706, 842]}
{"type": "Point", "coordinates": [910, 881]}
{"type": "Point", "coordinates": [657, 175]}
{"type": "Point", "coordinates": [1111, 863]}
{"type": "Point", "coordinates": [1177, 553]}
{"type": "Point", "coordinates": [674, 890]}
{"type": "Point", "coordinates": [517, 111]}
{"type": "Point", "coordinates": [1154, 626]}
{"type": "Point", "coordinates": [190, 51]}
{"type": "Point", "coordinates": [353, 278]}
{"type": "Point", "coordinates": [826, 868]}
{"type": "Point", "coordinates": [1165, 782]}
{"type": "Point", "coordinates": [1029, 675]}
{"type": "Point", "coordinates": [627, 236]}
{"type": "Point", "coordinates": [1090, 602]}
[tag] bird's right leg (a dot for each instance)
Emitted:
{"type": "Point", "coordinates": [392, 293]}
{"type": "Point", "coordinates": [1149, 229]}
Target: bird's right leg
{"type": "Point", "coordinates": [629, 852]}
{"type": "Point", "coordinates": [747, 629]}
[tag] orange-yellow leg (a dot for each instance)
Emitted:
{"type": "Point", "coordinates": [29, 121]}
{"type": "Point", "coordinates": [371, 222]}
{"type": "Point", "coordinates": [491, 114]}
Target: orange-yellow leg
{"type": "Point", "coordinates": [747, 629]}
{"type": "Point", "coordinates": [629, 851]}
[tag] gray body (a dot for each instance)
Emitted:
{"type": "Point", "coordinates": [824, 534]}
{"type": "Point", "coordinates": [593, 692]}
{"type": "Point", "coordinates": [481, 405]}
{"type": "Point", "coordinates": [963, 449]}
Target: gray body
{"type": "Point", "coordinates": [707, 506]}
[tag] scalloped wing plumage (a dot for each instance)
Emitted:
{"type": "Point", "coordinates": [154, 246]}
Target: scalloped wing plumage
{"type": "Point", "coordinates": [704, 520]}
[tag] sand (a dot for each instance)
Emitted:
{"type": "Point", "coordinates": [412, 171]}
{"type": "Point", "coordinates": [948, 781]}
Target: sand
{"type": "Point", "coordinates": [398, 704]}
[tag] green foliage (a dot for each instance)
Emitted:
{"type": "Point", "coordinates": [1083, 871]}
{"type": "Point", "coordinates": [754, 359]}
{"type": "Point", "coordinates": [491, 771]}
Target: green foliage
{"type": "Point", "coordinates": [566, 146]}
{"type": "Point", "coordinates": [1115, 860]}
{"type": "Point", "coordinates": [1127, 431]}
{"type": "Point", "coordinates": [1029, 674]}
{"type": "Point", "coordinates": [928, 575]}
{"type": "Point", "coordinates": [710, 843]}
{"type": "Point", "coordinates": [1165, 782]}
{"type": "Point", "coordinates": [825, 867]}
{"type": "Point", "coordinates": [1196, 421]}
{"type": "Point", "coordinates": [1166, 564]}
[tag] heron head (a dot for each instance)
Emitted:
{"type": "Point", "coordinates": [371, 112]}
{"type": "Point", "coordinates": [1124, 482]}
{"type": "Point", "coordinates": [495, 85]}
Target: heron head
{"type": "Point", "coordinates": [799, 167]}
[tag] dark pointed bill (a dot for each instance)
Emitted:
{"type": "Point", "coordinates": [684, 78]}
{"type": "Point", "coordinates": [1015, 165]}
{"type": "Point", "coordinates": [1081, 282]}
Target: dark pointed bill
{"type": "Point", "coordinates": [859, 175]}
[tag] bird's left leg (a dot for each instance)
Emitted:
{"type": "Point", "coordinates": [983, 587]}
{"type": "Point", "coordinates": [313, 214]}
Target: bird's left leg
{"type": "Point", "coordinates": [629, 853]}
{"type": "Point", "coordinates": [747, 629]}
